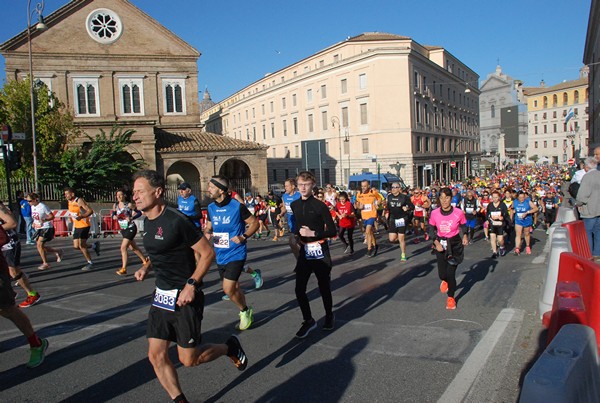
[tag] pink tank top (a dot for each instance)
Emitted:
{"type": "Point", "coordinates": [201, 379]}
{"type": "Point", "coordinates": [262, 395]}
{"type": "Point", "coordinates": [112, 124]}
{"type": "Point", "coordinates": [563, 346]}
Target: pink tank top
{"type": "Point", "coordinates": [447, 225]}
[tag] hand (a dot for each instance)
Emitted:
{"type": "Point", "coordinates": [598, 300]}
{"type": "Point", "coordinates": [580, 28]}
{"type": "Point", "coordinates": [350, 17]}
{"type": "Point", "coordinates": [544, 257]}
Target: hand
{"type": "Point", "coordinates": [238, 239]}
{"type": "Point", "coordinates": [187, 295]}
{"type": "Point", "coordinates": [141, 273]}
{"type": "Point", "coordinates": [305, 231]}
{"type": "Point", "coordinates": [438, 246]}
{"type": "Point", "coordinates": [465, 240]}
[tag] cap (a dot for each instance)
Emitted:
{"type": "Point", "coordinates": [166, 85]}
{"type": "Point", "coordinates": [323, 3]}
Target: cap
{"type": "Point", "coordinates": [248, 194]}
{"type": "Point", "coordinates": [183, 186]}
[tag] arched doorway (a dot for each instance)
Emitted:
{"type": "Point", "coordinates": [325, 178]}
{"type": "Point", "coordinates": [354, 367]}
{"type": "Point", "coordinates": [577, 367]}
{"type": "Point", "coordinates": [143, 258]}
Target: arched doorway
{"type": "Point", "coordinates": [239, 176]}
{"type": "Point", "coordinates": [179, 172]}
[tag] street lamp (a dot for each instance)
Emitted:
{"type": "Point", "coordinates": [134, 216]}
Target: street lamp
{"type": "Point", "coordinates": [39, 8]}
{"type": "Point", "coordinates": [334, 120]}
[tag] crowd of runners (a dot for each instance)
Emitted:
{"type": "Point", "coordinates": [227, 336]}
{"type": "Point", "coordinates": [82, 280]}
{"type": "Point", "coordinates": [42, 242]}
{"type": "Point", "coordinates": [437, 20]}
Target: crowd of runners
{"type": "Point", "coordinates": [498, 211]}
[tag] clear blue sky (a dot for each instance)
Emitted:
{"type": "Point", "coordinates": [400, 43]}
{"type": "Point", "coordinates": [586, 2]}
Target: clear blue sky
{"type": "Point", "coordinates": [242, 40]}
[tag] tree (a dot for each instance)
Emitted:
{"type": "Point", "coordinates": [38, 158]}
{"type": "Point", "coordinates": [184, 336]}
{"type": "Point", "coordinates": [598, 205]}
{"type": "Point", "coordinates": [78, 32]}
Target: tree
{"type": "Point", "coordinates": [54, 122]}
{"type": "Point", "coordinates": [534, 158]}
{"type": "Point", "coordinates": [102, 162]}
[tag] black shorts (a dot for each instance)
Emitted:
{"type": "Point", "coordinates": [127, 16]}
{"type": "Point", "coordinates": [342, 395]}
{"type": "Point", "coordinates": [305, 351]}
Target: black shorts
{"type": "Point", "coordinates": [81, 233]}
{"type": "Point", "coordinates": [392, 229]}
{"type": "Point", "coordinates": [262, 217]}
{"type": "Point", "coordinates": [419, 219]}
{"type": "Point", "coordinates": [7, 294]}
{"type": "Point", "coordinates": [45, 234]}
{"type": "Point", "coordinates": [232, 270]}
{"type": "Point", "coordinates": [184, 326]}
{"type": "Point", "coordinates": [130, 232]}
{"type": "Point", "coordinates": [13, 255]}
{"type": "Point", "coordinates": [497, 229]}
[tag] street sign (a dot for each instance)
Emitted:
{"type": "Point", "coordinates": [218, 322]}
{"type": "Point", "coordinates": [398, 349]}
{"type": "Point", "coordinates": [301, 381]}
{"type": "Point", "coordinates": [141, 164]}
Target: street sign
{"type": "Point", "coordinates": [475, 164]}
{"type": "Point", "coordinates": [5, 132]}
{"type": "Point", "coordinates": [453, 164]}
{"type": "Point", "coordinates": [19, 136]}
{"type": "Point", "coordinates": [427, 167]}
{"type": "Point", "coordinates": [571, 162]}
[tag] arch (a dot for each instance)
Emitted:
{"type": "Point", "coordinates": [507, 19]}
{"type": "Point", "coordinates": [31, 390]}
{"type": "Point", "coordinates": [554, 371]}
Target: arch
{"type": "Point", "coordinates": [182, 171]}
{"type": "Point", "coordinates": [565, 98]}
{"type": "Point", "coordinates": [239, 175]}
{"type": "Point", "coordinates": [576, 97]}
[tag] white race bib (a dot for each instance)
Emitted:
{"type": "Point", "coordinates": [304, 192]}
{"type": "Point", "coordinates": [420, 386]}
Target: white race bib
{"type": "Point", "coordinates": [288, 208]}
{"type": "Point", "coordinates": [444, 243]}
{"type": "Point", "coordinates": [221, 240]}
{"type": "Point", "coordinates": [399, 222]}
{"type": "Point", "coordinates": [123, 224]}
{"type": "Point", "coordinates": [549, 205]}
{"type": "Point", "coordinates": [469, 210]}
{"type": "Point", "coordinates": [496, 215]}
{"type": "Point", "coordinates": [367, 207]}
{"type": "Point", "coordinates": [313, 251]}
{"type": "Point", "coordinates": [496, 223]}
{"type": "Point", "coordinates": [520, 215]}
{"type": "Point", "coordinates": [165, 299]}
{"type": "Point", "coordinates": [418, 208]}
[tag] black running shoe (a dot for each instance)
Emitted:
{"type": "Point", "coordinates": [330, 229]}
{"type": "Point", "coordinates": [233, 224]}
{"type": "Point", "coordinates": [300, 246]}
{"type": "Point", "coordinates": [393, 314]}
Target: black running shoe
{"type": "Point", "coordinates": [494, 256]}
{"type": "Point", "coordinates": [369, 252]}
{"type": "Point", "coordinates": [307, 327]}
{"type": "Point", "coordinates": [375, 249]}
{"type": "Point", "coordinates": [236, 353]}
{"type": "Point", "coordinates": [329, 322]}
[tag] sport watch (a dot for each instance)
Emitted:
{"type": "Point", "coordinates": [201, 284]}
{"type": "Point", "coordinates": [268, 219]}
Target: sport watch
{"type": "Point", "coordinates": [192, 282]}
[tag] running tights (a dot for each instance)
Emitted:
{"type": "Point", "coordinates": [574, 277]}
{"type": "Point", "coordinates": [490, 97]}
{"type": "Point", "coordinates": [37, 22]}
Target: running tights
{"type": "Point", "coordinates": [350, 236]}
{"type": "Point", "coordinates": [446, 272]}
{"type": "Point", "coordinates": [323, 273]}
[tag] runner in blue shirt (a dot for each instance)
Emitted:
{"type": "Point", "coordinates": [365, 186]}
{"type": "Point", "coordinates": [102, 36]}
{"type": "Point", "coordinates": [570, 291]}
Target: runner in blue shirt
{"type": "Point", "coordinates": [524, 209]}
{"type": "Point", "coordinates": [188, 204]}
{"type": "Point", "coordinates": [291, 194]}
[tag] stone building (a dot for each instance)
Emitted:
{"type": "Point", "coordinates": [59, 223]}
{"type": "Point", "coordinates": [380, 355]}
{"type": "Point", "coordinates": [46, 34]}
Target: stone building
{"type": "Point", "coordinates": [111, 63]}
{"type": "Point", "coordinates": [591, 58]}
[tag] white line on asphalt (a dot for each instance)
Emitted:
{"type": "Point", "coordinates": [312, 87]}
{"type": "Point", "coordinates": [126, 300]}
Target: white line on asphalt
{"type": "Point", "coordinates": [466, 377]}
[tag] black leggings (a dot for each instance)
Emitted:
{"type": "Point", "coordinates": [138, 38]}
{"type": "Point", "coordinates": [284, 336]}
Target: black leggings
{"type": "Point", "coordinates": [350, 242]}
{"type": "Point", "coordinates": [322, 271]}
{"type": "Point", "coordinates": [446, 272]}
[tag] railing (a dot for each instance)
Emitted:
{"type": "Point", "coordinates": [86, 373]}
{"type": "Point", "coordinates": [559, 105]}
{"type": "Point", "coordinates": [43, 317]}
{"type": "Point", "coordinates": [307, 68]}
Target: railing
{"type": "Point", "coordinates": [55, 191]}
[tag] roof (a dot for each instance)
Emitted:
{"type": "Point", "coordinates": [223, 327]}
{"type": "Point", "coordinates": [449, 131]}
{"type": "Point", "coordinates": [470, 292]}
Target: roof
{"type": "Point", "coordinates": [562, 86]}
{"type": "Point", "coordinates": [377, 36]}
{"type": "Point", "coordinates": [199, 141]}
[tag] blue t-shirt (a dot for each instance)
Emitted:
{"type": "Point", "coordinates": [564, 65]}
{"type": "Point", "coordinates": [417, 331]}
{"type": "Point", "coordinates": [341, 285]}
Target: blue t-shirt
{"type": "Point", "coordinates": [520, 208]}
{"type": "Point", "coordinates": [287, 202]}
{"type": "Point", "coordinates": [188, 207]}
{"type": "Point", "coordinates": [227, 222]}
{"type": "Point", "coordinates": [25, 208]}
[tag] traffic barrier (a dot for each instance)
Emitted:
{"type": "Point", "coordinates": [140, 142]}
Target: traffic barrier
{"type": "Point", "coordinates": [568, 308]}
{"type": "Point", "coordinates": [566, 214]}
{"type": "Point", "coordinates": [61, 222]}
{"type": "Point", "coordinates": [558, 245]}
{"type": "Point", "coordinates": [567, 371]}
{"type": "Point", "coordinates": [586, 273]}
{"type": "Point", "coordinates": [578, 238]}
{"type": "Point", "coordinates": [108, 225]}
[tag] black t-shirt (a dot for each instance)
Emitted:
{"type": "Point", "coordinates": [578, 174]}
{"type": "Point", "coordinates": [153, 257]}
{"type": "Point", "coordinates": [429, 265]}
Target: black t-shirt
{"type": "Point", "coordinates": [168, 239]}
{"type": "Point", "coordinates": [492, 211]}
{"type": "Point", "coordinates": [395, 204]}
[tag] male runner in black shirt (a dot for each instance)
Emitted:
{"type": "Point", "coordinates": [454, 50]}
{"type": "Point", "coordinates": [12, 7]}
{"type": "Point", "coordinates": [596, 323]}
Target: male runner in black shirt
{"type": "Point", "coordinates": [397, 213]}
{"type": "Point", "coordinates": [178, 302]}
{"type": "Point", "coordinates": [314, 225]}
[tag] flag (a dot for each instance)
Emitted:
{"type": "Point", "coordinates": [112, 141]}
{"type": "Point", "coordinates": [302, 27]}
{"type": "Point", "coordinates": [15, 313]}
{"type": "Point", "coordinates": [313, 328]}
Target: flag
{"type": "Point", "coordinates": [569, 115]}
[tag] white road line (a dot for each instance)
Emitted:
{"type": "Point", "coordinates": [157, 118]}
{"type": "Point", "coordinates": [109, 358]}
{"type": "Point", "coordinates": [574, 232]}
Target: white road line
{"type": "Point", "coordinates": [466, 377]}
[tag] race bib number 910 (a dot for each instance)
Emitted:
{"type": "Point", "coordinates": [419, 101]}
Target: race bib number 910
{"type": "Point", "coordinates": [165, 299]}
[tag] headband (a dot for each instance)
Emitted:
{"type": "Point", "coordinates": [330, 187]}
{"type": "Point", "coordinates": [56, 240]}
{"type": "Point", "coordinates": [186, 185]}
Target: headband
{"type": "Point", "coordinates": [219, 185]}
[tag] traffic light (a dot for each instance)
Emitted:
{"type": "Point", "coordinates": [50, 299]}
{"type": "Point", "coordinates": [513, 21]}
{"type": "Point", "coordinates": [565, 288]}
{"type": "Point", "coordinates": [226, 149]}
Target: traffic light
{"type": "Point", "coordinates": [14, 159]}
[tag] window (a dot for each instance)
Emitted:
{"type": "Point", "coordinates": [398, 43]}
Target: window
{"type": "Point", "coordinates": [272, 130]}
{"type": "Point", "coordinates": [293, 99]}
{"type": "Point", "coordinates": [253, 113]}
{"type": "Point", "coordinates": [535, 129]}
{"type": "Point", "coordinates": [417, 112]}
{"type": "Point", "coordinates": [565, 143]}
{"type": "Point", "coordinates": [263, 109]}
{"type": "Point", "coordinates": [363, 114]}
{"type": "Point", "coordinates": [426, 144]}
{"type": "Point", "coordinates": [254, 134]}
{"type": "Point", "coordinates": [264, 128]}
{"type": "Point", "coordinates": [555, 100]}
{"type": "Point", "coordinates": [344, 86]}
{"type": "Point", "coordinates": [323, 91]}
{"type": "Point", "coordinates": [324, 120]}
{"type": "Point", "coordinates": [554, 114]}
{"type": "Point", "coordinates": [426, 114]}
{"type": "Point", "coordinates": [174, 95]}
{"type": "Point", "coordinates": [418, 144]}
{"type": "Point", "coordinates": [554, 143]}
{"type": "Point", "coordinates": [545, 129]}
{"type": "Point", "coordinates": [309, 95]}
{"type": "Point", "coordinates": [535, 103]}
{"type": "Point", "coordinates": [536, 144]}
{"type": "Point", "coordinates": [274, 152]}
{"type": "Point", "coordinates": [365, 146]}
{"type": "Point", "coordinates": [295, 122]}
{"type": "Point", "coordinates": [345, 116]}
{"type": "Point", "coordinates": [310, 123]}
{"type": "Point", "coordinates": [442, 116]}
{"type": "Point", "coordinates": [417, 80]}
{"type": "Point", "coordinates": [284, 128]}
{"type": "Point", "coordinates": [132, 96]}
{"type": "Point", "coordinates": [545, 102]}
{"type": "Point", "coordinates": [87, 99]}
{"type": "Point", "coordinates": [545, 144]}
{"type": "Point", "coordinates": [436, 120]}
{"type": "Point", "coordinates": [104, 26]}
{"type": "Point", "coordinates": [576, 97]}
{"type": "Point", "coordinates": [565, 98]}
{"type": "Point", "coordinates": [296, 151]}
{"type": "Point", "coordinates": [362, 81]}
{"type": "Point", "coordinates": [545, 116]}
{"type": "Point", "coordinates": [283, 103]}
{"type": "Point", "coordinates": [554, 127]}
{"type": "Point", "coordinates": [286, 152]}
{"type": "Point", "coordinates": [272, 106]}
{"type": "Point", "coordinates": [493, 111]}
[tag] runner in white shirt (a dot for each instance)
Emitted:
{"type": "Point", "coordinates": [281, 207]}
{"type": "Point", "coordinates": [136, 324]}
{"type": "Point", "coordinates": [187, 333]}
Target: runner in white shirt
{"type": "Point", "coordinates": [44, 229]}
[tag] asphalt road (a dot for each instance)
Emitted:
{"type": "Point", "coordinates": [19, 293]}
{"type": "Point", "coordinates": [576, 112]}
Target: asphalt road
{"type": "Point", "coordinates": [394, 340]}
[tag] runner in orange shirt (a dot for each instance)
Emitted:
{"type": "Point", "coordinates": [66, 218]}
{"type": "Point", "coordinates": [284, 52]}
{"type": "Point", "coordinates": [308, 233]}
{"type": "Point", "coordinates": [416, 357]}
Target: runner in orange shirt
{"type": "Point", "coordinates": [366, 202]}
{"type": "Point", "coordinates": [80, 213]}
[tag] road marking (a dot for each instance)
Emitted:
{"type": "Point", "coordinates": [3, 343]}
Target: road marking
{"type": "Point", "coordinates": [463, 381]}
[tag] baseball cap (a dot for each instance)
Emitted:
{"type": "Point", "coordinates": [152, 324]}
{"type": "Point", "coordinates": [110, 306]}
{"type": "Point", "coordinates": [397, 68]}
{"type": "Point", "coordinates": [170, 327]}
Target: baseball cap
{"type": "Point", "coordinates": [183, 186]}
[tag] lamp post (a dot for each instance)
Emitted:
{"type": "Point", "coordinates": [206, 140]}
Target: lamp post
{"type": "Point", "coordinates": [334, 120]}
{"type": "Point", "coordinates": [39, 8]}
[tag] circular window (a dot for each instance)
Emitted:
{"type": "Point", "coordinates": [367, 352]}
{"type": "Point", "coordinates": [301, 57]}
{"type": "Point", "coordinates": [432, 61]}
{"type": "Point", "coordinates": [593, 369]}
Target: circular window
{"type": "Point", "coordinates": [104, 25]}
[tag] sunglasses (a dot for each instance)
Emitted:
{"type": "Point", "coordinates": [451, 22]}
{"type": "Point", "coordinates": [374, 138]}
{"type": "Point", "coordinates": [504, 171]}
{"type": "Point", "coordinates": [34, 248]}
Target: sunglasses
{"type": "Point", "coordinates": [395, 187]}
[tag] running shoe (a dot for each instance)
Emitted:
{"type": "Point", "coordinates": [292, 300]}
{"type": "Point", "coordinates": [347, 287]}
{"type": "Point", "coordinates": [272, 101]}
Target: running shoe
{"type": "Point", "coordinates": [59, 256]}
{"type": "Point", "coordinates": [246, 318]}
{"type": "Point", "coordinates": [307, 327]}
{"type": "Point", "coordinates": [258, 280]}
{"type": "Point", "coordinates": [96, 248]}
{"type": "Point", "coordinates": [29, 243]}
{"type": "Point", "coordinates": [517, 251]}
{"type": "Point", "coordinates": [122, 271]}
{"type": "Point", "coordinates": [44, 266]}
{"type": "Point", "coordinates": [487, 239]}
{"type": "Point", "coordinates": [444, 287]}
{"type": "Point", "coordinates": [528, 250]}
{"type": "Point", "coordinates": [329, 322]}
{"type": "Point", "coordinates": [275, 238]}
{"type": "Point", "coordinates": [375, 250]}
{"type": "Point", "coordinates": [451, 303]}
{"type": "Point", "coordinates": [88, 267]}
{"type": "Point", "coordinates": [225, 297]}
{"type": "Point", "coordinates": [427, 237]}
{"type": "Point", "coordinates": [494, 255]}
{"type": "Point", "coordinates": [369, 252]}
{"type": "Point", "coordinates": [38, 354]}
{"type": "Point", "coordinates": [347, 250]}
{"type": "Point", "coordinates": [30, 300]}
{"type": "Point", "coordinates": [236, 353]}
{"type": "Point", "coordinates": [470, 242]}
{"type": "Point", "coordinates": [416, 241]}
{"type": "Point", "coordinates": [403, 257]}
{"type": "Point", "coordinates": [531, 230]}
{"type": "Point", "coordinates": [502, 251]}
{"type": "Point", "coordinates": [268, 233]}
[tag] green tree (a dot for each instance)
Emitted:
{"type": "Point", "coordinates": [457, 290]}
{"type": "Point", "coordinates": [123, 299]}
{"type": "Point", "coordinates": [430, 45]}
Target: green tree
{"type": "Point", "coordinates": [100, 163]}
{"type": "Point", "coordinates": [54, 122]}
{"type": "Point", "coordinates": [534, 158]}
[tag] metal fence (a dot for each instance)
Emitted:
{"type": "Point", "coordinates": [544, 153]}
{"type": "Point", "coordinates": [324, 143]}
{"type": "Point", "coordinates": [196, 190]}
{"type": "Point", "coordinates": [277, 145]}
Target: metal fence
{"type": "Point", "coordinates": [54, 191]}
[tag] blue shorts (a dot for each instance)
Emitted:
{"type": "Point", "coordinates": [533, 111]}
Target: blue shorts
{"type": "Point", "coordinates": [472, 223]}
{"type": "Point", "coordinates": [369, 221]}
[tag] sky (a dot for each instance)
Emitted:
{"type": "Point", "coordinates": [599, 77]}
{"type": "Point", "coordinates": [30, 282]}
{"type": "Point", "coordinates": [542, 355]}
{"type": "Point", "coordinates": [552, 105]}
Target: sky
{"type": "Point", "coordinates": [241, 41]}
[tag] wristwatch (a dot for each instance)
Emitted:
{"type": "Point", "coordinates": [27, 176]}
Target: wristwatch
{"type": "Point", "coordinates": [192, 282]}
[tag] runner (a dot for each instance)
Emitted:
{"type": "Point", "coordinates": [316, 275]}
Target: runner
{"type": "Point", "coordinates": [80, 213]}
{"type": "Point", "coordinates": [189, 204]}
{"type": "Point", "coordinates": [314, 226]}
{"type": "Point", "coordinates": [470, 205]}
{"type": "Point", "coordinates": [226, 225]}
{"type": "Point", "coordinates": [397, 213]}
{"type": "Point", "coordinates": [44, 229]}
{"type": "Point", "coordinates": [125, 213]}
{"type": "Point", "coordinates": [26, 214]}
{"type": "Point", "coordinates": [8, 309]}
{"type": "Point", "coordinates": [524, 209]}
{"type": "Point", "coordinates": [330, 194]}
{"type": "Point", "coordinates": [445, 224]}
{"type": "Point", "coordinates": [260, 211]}
{"type": "Point", "coordinates": [422, 204]}
{"type": "Point", "coordinates": [178, 301]}
{"type": "Point", "coordinates": [274, 210]}
{"type": "Point", "coordinates": [498, 217]}
{"type": "Point", "coordinates": [291, 194]}
{"type": "Point", "coordinates": [550, 204]}
{"type": "Point", "coordinates": [347, 221]}
{"type": "Point", "coordinates": [485, 201]}
{"type": "Point", "coordinates": [366, 202]}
